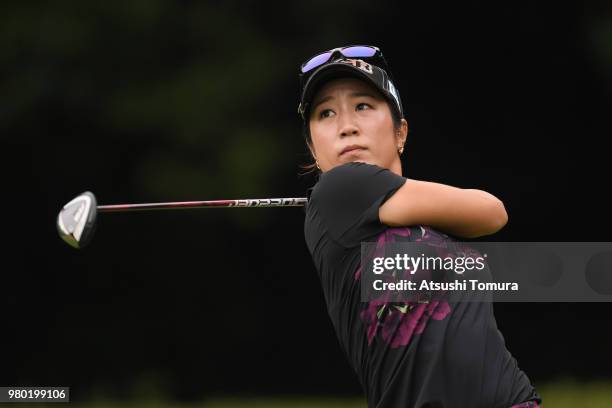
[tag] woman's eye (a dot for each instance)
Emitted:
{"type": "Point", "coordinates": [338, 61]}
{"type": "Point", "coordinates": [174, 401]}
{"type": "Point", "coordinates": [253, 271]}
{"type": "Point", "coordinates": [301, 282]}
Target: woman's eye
{"type": "Point", "coordinates": [325, 113]}
{"type": "Point", "coordinates": [363, 105]}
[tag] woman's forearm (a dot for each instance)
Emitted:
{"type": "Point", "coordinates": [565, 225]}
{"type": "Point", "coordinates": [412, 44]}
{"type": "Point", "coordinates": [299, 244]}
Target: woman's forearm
{"type": "Point", "coordinates": [467, 213]}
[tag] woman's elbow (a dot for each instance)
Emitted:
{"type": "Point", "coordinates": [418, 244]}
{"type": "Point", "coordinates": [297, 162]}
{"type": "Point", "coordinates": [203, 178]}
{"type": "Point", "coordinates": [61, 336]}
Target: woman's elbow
{"type": "Point", "coordinates": [495, 219]}
{"type": "Point", "coordinates": [498, 216]}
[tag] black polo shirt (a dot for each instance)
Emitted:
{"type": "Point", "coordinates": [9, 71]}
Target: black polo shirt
{"type": "Point", "coordinates": [439, 354]}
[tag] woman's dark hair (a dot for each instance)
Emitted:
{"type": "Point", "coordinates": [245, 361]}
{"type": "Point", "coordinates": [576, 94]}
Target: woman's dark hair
{"type": "Point", "coordinates": [312, 166]}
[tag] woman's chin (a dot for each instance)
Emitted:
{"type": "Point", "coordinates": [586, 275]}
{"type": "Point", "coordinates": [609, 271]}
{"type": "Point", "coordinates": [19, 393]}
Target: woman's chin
{"type": "Point", "coordinates": [356, 158]}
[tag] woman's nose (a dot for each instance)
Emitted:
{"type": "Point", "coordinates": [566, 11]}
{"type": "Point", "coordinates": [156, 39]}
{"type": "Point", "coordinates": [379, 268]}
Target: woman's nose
{"type": "Point", "coordinates": [348, 128]}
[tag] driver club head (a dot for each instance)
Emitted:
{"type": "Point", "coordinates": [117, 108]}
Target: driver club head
{"type": "Point", "coordinates": [77, 220]}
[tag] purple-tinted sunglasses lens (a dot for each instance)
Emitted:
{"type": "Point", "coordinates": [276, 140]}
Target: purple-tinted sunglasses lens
{"type": "Point", "coordinates": [351, 52]}
{"type": "Point", "coordinates": [316, 61]}
{"type": "Point", "coordinates": [358, 52]}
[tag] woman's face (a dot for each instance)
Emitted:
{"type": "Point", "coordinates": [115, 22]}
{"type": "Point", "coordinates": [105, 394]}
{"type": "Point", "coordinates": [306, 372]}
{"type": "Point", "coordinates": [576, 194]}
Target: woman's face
{"type": "Point", "coordinates": [351, 121]}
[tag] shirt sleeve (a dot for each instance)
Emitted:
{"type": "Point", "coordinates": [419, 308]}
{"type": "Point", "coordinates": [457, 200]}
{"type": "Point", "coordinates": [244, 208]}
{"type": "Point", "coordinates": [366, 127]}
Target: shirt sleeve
{"type": "Point", "coordinates": [348, 197]}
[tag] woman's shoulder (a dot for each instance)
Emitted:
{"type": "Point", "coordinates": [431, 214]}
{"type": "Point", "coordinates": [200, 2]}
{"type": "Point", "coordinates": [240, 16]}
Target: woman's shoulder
{"type": "Point", "coordinates": [347, 178]}
{"type": "Point", "coordinates": [351, 193]}
{"type": "Point", "coordinates": [351, 168]}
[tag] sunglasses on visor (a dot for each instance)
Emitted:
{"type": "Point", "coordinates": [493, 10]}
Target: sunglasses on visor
{"type": "Point", "coordinates": [351, 51]}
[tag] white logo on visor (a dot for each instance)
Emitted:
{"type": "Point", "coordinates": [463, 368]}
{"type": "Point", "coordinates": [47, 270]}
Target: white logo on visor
{"type": "Point", "coordinates": [361, 64]}
{"type": "Point", "coordinates": [393, 92]}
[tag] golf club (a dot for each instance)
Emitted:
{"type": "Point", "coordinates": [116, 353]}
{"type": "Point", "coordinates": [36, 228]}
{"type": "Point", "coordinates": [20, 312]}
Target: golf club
{"type": "Point", "coordinates": [76, 221]}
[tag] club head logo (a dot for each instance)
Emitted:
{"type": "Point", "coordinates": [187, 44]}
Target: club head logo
{"type": "Point", "coordinates": [76, 216]}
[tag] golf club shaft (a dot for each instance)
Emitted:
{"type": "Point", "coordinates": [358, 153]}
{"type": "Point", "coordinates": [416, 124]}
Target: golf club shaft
{"type": "Point", "coordinates": [255, 202]}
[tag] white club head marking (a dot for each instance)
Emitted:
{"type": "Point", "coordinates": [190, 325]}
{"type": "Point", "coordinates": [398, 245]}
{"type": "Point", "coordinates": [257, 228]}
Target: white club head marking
{"type": "Point", "coordinates": [75, 222]}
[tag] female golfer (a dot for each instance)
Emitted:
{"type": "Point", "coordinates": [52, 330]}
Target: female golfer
{"type": "Point", "coordinates": [426, 355]}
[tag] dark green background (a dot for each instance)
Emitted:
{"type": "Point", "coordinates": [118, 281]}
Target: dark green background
{"type": "Point", "coordinates": [156, 100]}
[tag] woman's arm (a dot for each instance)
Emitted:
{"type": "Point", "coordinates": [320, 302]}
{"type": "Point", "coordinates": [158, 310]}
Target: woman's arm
{"type": "Point", "coordinates": [466, 213]}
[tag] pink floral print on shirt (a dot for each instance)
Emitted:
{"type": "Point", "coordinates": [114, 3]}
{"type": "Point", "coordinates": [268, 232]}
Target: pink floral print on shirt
{"type": "Point", "coordinates": [397, 322]}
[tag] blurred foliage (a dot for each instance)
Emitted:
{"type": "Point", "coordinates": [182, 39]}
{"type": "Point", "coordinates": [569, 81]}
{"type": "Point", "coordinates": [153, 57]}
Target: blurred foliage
{"type": "Point", "coordinates": [599, 40]}
{"type": "Point", "coordinates": [157, 100]}
{"type": "Point", "coordinates": [176, 101]}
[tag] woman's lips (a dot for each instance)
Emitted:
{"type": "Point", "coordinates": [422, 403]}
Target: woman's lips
{"type": "Point", "coordinates": [353, 148]}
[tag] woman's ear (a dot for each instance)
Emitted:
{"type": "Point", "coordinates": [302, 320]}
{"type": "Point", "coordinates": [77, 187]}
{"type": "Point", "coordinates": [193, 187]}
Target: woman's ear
{"type": "Point", "coordinates": [402, 133]}
{"type": "Point", "coordinates": [314, 156]}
